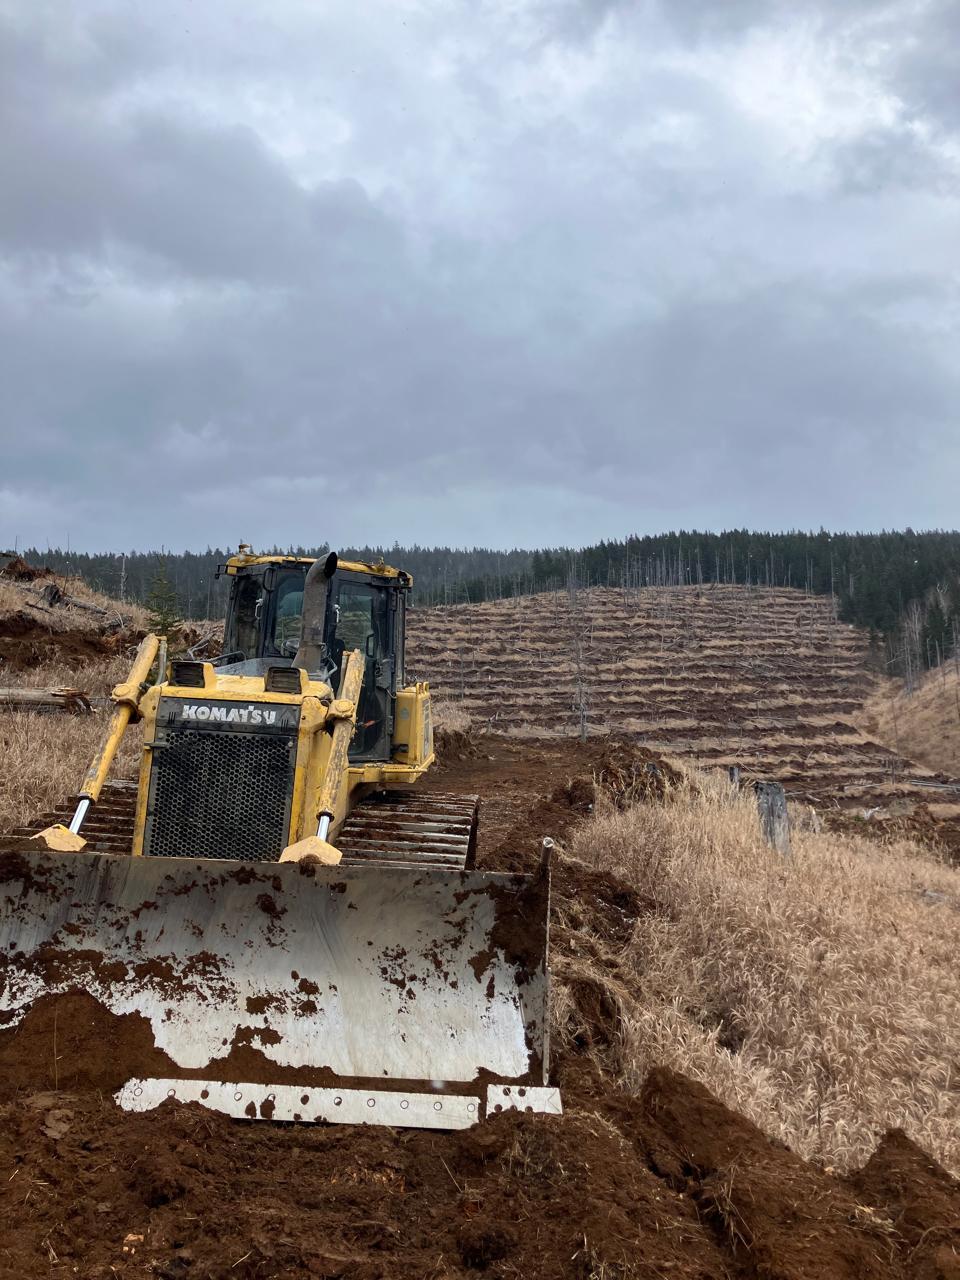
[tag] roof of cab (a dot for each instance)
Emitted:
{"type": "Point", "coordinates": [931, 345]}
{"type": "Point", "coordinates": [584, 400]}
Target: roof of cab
{"type": "Point", "coordinates": [245, 560]}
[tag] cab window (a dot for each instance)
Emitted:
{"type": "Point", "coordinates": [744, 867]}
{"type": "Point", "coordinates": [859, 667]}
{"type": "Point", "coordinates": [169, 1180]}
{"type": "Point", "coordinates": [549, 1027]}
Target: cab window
{"type": "Point", "coordinates": [288, 615]}
{"type": "Point", "coordinates": [362, 622]}
{"type": "Point", "coordinates": [249, 607]}
{"type": "Point", "coordinates": [355, 629]}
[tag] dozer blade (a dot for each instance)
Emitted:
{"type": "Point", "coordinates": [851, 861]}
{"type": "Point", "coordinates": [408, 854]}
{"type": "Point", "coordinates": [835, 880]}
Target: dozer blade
{"type": "Point", "coordinates": [375, 994]}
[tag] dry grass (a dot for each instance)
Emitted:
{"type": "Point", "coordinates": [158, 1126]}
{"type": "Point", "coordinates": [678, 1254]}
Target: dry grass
{"type": "Point", "coordinates": [925, 724]}
{"type": "Point", "coordinates": [450, 716]}
{"type": "Point", "coordinates": [15, 596]}
{"type": "Point", "coordinates": [44, 756]}
{"type": "Point", "coordinates": [819, 995]}
{"type": "Point", "coordinates": [95, 677]}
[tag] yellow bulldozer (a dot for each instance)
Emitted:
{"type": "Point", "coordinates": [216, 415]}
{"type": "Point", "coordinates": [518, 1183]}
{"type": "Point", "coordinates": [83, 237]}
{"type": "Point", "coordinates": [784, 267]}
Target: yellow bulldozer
{"type": "Point", "coordinates": [306, 933]}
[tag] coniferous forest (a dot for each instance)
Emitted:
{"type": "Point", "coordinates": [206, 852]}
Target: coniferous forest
{"type": "Point", "coordinates": [903, 586]}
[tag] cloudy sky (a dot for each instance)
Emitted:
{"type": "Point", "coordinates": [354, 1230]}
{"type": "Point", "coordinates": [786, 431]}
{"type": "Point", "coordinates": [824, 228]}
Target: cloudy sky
{"type": "Point", "coordinates": [476, 271]}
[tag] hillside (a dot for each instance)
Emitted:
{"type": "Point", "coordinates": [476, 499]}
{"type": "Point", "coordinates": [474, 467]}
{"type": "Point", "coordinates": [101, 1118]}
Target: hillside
{"type": "Point", "coordinates": [57, 633]}
{"type": "Point", "coordinates": [43, 616]}
{"type": "Point", "coordinates": [924, 724]}
{"type": "Point", "coordinates": [765, 679]}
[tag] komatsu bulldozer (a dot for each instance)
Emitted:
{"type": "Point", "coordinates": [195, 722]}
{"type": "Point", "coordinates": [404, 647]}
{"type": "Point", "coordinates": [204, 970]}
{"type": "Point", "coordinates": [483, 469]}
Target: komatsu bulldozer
{"type": "Point", "coordinates": [308, 937]}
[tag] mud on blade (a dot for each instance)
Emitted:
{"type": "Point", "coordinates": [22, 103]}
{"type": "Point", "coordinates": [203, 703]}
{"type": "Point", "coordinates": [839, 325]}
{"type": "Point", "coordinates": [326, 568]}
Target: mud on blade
{"type": "Point", "coordinates": [339, 977]}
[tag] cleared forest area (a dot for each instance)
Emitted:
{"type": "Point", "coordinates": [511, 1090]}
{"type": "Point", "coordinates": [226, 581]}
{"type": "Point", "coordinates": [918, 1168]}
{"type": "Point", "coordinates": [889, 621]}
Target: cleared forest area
{"type": "Point", "coordinates": [763, 679]}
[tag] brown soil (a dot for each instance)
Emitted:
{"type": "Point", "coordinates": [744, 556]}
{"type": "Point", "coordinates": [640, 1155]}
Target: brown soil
{"type": "Point", "coordinates": [531, 788]}
{"type": "Point", "coordinates": [78, 1026]}
{"type": "Point", "coordinates": [667, 1184]}
{"type": "Point", "coordinates": [26, 641]}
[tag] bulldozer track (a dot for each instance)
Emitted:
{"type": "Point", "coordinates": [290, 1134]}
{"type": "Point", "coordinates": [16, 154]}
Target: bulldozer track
{"type": "Point", "coordinates": [389, 827]}
{"type": "Point", "coordinates": [439, 829]}
{"type": "Point", "coordinates": [109, 824]}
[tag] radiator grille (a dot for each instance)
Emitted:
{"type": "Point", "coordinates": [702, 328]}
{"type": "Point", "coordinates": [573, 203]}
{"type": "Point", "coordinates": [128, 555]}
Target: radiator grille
{"type": "Point", "coordinates": [220, 794]}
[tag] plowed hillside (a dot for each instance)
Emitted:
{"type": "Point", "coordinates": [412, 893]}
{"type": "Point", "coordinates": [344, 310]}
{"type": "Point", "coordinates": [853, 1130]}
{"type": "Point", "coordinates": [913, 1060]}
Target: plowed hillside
{"type": "Point", "coordinates": [766, 679]}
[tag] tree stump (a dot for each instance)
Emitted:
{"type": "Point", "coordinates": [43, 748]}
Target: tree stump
{"type": "Point", "coordinates": [774, 819]}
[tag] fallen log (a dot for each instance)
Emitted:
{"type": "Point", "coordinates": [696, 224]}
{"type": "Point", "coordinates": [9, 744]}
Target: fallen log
{"type": "Point", "coordinates": [74, 701]}
{"type": "Point", "coordinates": [74, 603]}
{"type": "Point", "coordinates": [51, 594]}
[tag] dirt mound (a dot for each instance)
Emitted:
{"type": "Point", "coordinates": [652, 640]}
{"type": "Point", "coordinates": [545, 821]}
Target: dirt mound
{"type": "Point", "coordinates": [202, 641]}
{"type": "Point", "coordinates": [764, 1202]}
{"type": "Point", "coordinates": [670, 1184]}
{"type": "Point", "coordinates": [63, 621]}
{"type": "Point", "coordinates": [181, 1192]}
{"type": "Point", "coordinates": [551, 815]}
{"type": "Point", "coordinates": [919, 1201]}
{"type": "Point", "coordinates": [453, 746]}
{"type": "Point", "coordinates": [630, 773]}
{"type": "Point", "coordinates": [536, 787]}
{"type": "Point", "coordinates": [17, 569]}
{"type": "Point", "coordinates": [73, 1043]}
{"type": "Point", "coordinates": [26, 641]}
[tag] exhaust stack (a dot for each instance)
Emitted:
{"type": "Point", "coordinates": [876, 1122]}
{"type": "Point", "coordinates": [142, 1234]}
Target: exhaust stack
{"type": "Point", "coordinates": [311, 651]}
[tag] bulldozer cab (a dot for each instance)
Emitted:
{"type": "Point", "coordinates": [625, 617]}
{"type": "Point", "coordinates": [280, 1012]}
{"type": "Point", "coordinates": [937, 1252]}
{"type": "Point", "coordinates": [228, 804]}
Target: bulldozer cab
{"type": "Point", "coordinates": [365, 610]}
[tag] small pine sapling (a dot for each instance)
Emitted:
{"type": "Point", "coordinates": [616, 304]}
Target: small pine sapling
{"type": "Point", "coordinates": [162, 608]}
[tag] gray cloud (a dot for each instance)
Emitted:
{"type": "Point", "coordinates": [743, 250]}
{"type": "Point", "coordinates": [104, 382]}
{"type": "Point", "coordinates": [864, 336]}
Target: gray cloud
{"type": "Point", "coordinates": [885, 158]}
{"type": "Point", "coordinates": [927, 70]}
{"type": "Point", "coordinates": [473, 273]}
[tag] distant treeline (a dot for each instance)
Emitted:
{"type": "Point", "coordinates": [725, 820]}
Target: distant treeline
{"type": "Point", "coordinates": [903, 586]}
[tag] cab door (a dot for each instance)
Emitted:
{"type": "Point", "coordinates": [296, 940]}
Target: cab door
{"type": "Point", "coordinates": [364, 621]}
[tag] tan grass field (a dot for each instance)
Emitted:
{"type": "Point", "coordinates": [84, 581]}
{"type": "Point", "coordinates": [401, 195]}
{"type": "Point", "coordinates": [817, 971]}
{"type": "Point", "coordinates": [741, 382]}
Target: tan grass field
{"type": "Point", "coordinates": [43, 757]}
{"type": "Point", "coordinates": [819, 994]}
{"type": "Point", "coordinates": [15, 596]}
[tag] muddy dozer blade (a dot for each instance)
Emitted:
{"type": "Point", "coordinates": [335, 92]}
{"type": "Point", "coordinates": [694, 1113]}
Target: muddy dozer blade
{"type": "Point", "coordinates": [366, 994]}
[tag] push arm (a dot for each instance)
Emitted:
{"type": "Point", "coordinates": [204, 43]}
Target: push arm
{"type": "Point", "coordinates": [126, 696]}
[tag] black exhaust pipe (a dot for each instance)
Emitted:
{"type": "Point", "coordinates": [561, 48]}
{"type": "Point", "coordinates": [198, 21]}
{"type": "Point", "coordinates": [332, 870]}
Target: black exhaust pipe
{"type": "Point", "coordinates": [311, 652]}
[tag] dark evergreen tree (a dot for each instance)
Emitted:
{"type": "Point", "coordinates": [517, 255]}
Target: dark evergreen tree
{"type": "Point", "coordinates": [161, 603]}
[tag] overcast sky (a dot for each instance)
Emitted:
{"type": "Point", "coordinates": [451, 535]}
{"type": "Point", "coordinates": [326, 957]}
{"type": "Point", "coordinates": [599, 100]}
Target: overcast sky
{"type": "Point", "coordinates": [499, 271]}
